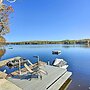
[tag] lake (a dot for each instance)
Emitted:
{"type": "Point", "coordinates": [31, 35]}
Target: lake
{"type": "Point", "coordinates": [77, 56]}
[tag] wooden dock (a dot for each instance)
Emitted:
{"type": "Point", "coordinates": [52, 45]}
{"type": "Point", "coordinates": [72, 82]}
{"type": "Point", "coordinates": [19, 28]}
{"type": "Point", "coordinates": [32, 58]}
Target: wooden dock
{"type": "Point", "coordinates": [53, 81]}
{"type": "Point", "coordinates": [7, 85]}
{"type": "Point", "coordinates": [2, 75]}
{"type": "Point", "coordinates": [4, 62]}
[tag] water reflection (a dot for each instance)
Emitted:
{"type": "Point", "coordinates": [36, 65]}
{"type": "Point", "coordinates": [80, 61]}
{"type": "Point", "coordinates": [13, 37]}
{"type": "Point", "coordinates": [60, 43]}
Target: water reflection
{"type": "Point", "coordinates": [74, 46]}
{"type": "Point", "coordinates": [2, 51]}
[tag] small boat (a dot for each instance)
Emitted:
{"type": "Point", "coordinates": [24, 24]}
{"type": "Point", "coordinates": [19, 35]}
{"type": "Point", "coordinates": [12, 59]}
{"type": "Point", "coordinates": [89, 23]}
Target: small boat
{"type": "Point", "coordinates": [56, 52]}
{"type": "Point", "coordinates": [60, 63]}
{"type": "Point", "coordinates": [10, 48]}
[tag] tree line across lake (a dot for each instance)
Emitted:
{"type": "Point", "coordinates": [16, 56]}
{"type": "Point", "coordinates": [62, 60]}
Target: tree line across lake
{"type": "Point", "coordinates": [83, 41]}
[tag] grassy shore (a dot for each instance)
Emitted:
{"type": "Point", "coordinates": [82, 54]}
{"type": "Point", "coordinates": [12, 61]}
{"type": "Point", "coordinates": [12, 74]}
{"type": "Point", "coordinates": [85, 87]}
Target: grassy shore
{"type": "Point", "coordinates": [83, 41]}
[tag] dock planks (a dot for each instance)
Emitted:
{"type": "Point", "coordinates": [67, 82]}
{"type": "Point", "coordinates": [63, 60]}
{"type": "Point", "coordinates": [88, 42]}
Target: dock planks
{"type": "Point", "coordinates": [4, 62]}
{"type": "Point", "coordinates": [7, 85]}
{"type": "Point", "coordinates": [52, 79]}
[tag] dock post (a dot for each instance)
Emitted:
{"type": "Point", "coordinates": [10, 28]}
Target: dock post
{"type": "Point", "coordinates": [48, 63]}
{"type": "Point", "coordinates": [19, 67]}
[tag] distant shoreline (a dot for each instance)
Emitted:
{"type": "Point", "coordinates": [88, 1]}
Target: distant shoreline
{"type": "Point", "coordinates": [83, 41]}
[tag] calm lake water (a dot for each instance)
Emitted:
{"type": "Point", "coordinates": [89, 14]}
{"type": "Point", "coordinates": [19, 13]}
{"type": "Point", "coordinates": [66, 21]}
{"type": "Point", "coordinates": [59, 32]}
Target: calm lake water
{"type": "Point", "coordinates": [77, 56]}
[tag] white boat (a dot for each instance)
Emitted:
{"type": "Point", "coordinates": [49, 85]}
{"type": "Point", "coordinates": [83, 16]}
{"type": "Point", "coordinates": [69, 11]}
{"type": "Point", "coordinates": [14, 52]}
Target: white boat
{"type": "Point", "coordinates": [64, 67]}
{"type": "Point", "coordinates": [60, 63]}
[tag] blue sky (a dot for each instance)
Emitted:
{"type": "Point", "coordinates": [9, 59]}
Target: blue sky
{"type": "Point", "coordinates": [49, 20]}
